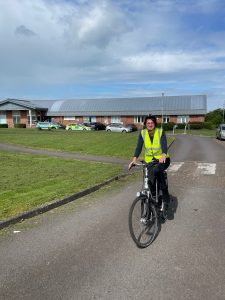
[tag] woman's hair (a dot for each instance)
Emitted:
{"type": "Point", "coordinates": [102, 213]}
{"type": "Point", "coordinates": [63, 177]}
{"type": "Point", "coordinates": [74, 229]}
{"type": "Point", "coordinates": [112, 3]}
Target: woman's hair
{"type": "Point", "coordinates": [150, 117]}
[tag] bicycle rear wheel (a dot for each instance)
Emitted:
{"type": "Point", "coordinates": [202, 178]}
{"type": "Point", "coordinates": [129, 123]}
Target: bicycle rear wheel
{"type": "Point", "coordinates": [143, 222]}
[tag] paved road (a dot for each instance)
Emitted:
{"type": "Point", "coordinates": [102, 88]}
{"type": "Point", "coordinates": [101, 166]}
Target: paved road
{"type": "Point", "coordinates": [85, 251]}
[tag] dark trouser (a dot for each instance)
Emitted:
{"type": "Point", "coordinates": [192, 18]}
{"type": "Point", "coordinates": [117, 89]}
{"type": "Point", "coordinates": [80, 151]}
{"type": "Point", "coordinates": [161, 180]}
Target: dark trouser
{"type": "Point", "coordinates": [157, 172]}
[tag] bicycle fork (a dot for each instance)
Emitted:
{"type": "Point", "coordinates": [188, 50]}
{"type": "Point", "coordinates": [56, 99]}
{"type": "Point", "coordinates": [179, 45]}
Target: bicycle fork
{"type": "Point", "coordinates": [146, 214]}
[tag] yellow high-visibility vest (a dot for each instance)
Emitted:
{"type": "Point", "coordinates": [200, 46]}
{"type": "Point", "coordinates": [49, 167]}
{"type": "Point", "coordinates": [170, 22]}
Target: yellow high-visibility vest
{"type": "Point", "coordinates": [152, 149]}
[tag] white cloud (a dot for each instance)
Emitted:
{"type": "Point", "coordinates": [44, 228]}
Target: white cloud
{"type": "Point", "coordinates": [52, 42]}
{"type": "Point", "coordinates": [173, 62]}
{"type": "Point", "coordinates": [101, 24]}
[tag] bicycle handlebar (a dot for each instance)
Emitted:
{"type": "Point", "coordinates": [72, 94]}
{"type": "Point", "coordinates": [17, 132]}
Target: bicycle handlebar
{"type": "Point", "coordinates": [143, 163]}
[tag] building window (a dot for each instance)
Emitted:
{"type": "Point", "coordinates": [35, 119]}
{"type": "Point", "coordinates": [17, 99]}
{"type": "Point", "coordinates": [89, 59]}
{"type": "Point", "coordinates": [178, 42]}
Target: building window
{"type": "Point", "coordinates": [166, 119]}
{"type": "Point", "coordinates": [93, 119]}
{"type": "Point", "coordinates": [3, 117]}
{"type": "Point", "coordinates": [106, 120]}
{"type": "Point", "coordinates": [139, 119]}
{"type": "Point", "coordinates": [16, 116]}
{"type": "Point", "coordinates": [115, 119]}
{"type": "Point", "coordinates": [33, 117]}
{"type": "Point", "coordinates": [86, 119]}
{"type": "Point", "coordinates": [69, 118]}
{"type": "Point", "coordinates": [182, 119]}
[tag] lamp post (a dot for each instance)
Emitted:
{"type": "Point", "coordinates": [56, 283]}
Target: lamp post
{"type": "Point", "coordinates": [30, 117]}
{"type": "Point", "coordinates": [223, 110]}
{"type": "Point", "coordinates": [162, 103]}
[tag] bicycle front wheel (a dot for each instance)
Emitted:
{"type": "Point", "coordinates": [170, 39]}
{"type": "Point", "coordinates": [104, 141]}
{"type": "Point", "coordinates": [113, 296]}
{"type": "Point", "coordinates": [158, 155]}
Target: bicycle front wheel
{"type": "Point", "coordinates": [143, 222]}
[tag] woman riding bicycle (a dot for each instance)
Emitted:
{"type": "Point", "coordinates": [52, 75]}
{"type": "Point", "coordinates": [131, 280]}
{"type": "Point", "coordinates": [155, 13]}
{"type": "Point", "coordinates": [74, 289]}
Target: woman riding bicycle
{"type": "Point", "coordinates": [155, 143]}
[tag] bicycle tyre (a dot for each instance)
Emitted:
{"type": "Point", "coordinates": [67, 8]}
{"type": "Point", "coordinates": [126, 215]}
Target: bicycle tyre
{"type": "Point", "coordinates": [143, 234]}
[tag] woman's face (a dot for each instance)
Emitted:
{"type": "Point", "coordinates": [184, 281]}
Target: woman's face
{"type": "Point", "coordinates": [150, 125]}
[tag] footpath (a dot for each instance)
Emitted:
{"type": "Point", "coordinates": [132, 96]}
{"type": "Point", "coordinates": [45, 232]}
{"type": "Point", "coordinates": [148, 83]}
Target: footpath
{"type": "Point", "coordinates": [103, 159]}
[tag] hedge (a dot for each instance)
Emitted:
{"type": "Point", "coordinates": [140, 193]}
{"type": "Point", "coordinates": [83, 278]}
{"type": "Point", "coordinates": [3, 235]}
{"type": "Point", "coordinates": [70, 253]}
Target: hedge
{"type": "Point", "coordinates": [168, 126]}
{"type": "Point", "coordinates": [208, 125]}
{"type": "Point", "coordinates": [4, 126]}
{"type": "Point", "coordinates": [19, 125]}
{"type": "Point", "coordinates": [180, 126]}
{"type": "Point", "coordinates": [196, 126]}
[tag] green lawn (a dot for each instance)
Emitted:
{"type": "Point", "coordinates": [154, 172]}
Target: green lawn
{"type": "Point", "coordinates": [94, 142]}
{"type": "Point", "coordinates": [204, 132]}
{"type": "Point", "coordinates": [200, 132]}
{"type": "Point", "coordinates": [28, 181]}
{"type": "Point", "coordinates": [99, 143]}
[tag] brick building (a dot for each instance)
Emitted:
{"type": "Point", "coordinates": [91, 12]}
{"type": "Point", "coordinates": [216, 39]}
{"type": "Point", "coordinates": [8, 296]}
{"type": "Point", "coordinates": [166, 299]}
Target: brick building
{"type": "Point", "coordinates": [176, 109]}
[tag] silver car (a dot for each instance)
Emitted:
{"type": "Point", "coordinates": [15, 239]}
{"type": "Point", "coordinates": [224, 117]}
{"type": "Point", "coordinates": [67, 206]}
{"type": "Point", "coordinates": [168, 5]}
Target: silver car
{"type": "Point", "coordinates": [118, 128]}
{"type": "Point", "coordinates": [220, 132]}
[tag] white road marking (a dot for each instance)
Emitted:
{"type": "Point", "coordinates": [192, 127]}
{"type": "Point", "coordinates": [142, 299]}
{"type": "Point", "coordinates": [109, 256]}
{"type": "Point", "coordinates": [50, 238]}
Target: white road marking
{"type": "Point", "coordinates": [174, 167]}
{"type": "Point", "coordinates": [207, 168]}
{"type": "Point", "coordinates": [201, 168]}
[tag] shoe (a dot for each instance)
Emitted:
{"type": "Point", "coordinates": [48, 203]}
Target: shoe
{"type": "Point", "coordinates": [166, 206]}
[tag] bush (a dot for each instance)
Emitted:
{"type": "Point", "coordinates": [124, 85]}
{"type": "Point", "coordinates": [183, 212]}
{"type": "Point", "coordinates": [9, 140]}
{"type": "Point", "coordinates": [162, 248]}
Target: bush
{"type": "Point", "coordinates": [4, 126]}
{"type": "Point", "coordinates": [215, 116]}
{"type": "Point", "coordinates": [208, 125]}
{"type": "Point", "coordinates": [181, 126]}
{"type": "Point", "coordinates": [19, 125]}
{"type": "Point", "coordinates": [196, 126]}
{"type": "Point", "coordinates": [168, 126]}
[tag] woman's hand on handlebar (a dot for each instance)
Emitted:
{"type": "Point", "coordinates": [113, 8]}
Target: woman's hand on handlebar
{"type": "Point", "coordinates": [162, 158]}
{"type": "Point", "coordinates": [132, 163]}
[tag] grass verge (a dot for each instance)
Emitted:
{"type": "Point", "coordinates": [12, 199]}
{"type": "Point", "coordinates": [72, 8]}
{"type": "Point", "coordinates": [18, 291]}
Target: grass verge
{"type": "Point", "coordinates": [200, 132]}
{"type": "Point", "coordinates": [28, 181]}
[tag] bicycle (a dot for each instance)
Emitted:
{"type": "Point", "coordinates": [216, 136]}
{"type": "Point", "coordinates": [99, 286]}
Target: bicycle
{"type": "Point", "coordinates": [145, 210]}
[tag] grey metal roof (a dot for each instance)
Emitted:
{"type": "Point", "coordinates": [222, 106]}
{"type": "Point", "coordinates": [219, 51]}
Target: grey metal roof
{"type": "Point", "coordinates": [15, 104]}
{"type": "Point", "coordinates": [171, 105]}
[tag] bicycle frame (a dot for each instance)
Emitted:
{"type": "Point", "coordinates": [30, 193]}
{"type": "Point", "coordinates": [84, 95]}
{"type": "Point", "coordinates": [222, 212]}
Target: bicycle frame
{"type": "Point", "coordinates": [146, 188]}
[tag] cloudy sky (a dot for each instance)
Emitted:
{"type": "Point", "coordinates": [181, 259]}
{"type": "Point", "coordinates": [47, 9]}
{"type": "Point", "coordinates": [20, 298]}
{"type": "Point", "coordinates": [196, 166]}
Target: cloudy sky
{"type": "Point", "coordinates": [54, 49]}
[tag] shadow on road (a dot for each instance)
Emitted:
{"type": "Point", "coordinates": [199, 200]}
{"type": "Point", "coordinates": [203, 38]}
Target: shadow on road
{"type": "Point", "coordinates": [172, 207]}
{"type": "Point", "coordinates": [171, 213]}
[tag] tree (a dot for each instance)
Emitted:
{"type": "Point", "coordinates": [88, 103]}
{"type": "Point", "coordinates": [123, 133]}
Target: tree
{"type": "Point", "coordinates": [215, 117]}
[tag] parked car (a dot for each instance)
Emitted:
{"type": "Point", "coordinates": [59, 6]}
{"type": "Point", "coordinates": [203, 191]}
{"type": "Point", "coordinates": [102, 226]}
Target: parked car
{"type": "Point", "coordinates": [61, 126]}
{"type": "Point", "coordinates": [43, 125]}
{"type": "Point", "coordinates": [54, 126]}
{"type": "Point", "coordinates": [48, 125]}
{"type": "Point", "coordinates": [220, 132]}
{"type": "Point", "coordinates": [86, 124]}
{"type": "Point", "coordinates": [133, 127]}
{"type": "Point", "coordinates": [77, 127]}
{"type": "Point", "coordinates": [118, 128]}
{"type": "Point", "coordinates": [97, 126]}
